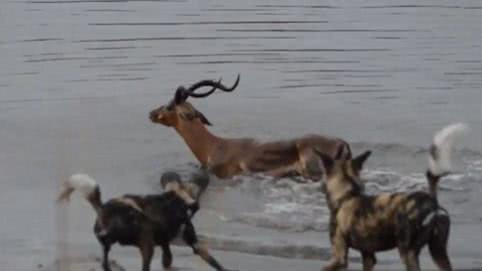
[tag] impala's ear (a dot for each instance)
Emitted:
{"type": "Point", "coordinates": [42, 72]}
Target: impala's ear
{"type": "Point", "coordinates": [326, 161]}
{"type": "Point", "coordinates": [203, 118]}
{"type": "Point", "coordinates": [194, 114]}
{"type": "Point", "coordinates": [358, 161]}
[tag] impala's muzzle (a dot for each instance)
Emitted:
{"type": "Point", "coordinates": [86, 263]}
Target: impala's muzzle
{"type": "Point", "coordinates": [153, 115]}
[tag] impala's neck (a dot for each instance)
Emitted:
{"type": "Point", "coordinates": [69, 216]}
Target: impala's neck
{"type": "Point", "coordinates": [201, 142]}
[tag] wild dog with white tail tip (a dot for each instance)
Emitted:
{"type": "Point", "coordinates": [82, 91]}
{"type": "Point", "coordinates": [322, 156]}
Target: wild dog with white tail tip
{"type": "Point", "coordinates": [407, 221]}
{"type": "Point", "coordinates": [143, 221]}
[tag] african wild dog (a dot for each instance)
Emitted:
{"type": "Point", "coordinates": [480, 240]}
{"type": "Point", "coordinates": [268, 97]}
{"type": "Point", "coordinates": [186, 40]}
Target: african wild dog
{"type": "Point", "coordinates": [143, 221]}
{"type": "Point", "coordinates": [190, 191]}
{"type": "Point", "coordinates": [407, 221]}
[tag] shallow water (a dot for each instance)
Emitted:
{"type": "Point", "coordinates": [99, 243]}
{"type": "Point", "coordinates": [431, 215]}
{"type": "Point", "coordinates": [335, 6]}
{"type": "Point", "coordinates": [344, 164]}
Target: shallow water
{"type": "Point", "coordinates": [77, 79]}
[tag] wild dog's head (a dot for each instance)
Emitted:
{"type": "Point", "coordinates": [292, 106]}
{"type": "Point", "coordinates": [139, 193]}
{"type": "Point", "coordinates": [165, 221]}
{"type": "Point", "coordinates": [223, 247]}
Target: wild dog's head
{"type": "Point", "coordinates": [342, 176]}
{"type": "Point", "coordinates": [179, 109]}
{"type": "Point", "coordinates": [188, 192]}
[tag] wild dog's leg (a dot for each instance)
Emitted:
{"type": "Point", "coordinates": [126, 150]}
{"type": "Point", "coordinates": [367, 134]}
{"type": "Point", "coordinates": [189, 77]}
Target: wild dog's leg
{"type": "Point", "coordinates": [410, 259]}
{"type": "Point", "coordinates": [166, 256]}
{"type": "Point", "coordinates": [407, 247]}
{"type": "Point", "coordinates": [105, 259]}
{"type": "Point", "coordinates": [333, 227]}
{"type": "Point", "coordinates": [437, 244]}
{"type": "Point", "coordinates": [340, 253]}
{"type": "Point", "coordinates": [147, 250]}
{"type": "Point", "coordinates": [369, 261]}
{"type": "Point", "coordinates": [189, 236]}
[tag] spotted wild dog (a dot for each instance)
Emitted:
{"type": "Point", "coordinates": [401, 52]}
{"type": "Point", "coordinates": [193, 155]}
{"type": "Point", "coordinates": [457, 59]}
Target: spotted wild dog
{"type": "Point", "coordinates": [407, 221]}
{"type": "Point", "coordinates": [144, 221]}
{"type": "Point", "coordinates": [191, 190]}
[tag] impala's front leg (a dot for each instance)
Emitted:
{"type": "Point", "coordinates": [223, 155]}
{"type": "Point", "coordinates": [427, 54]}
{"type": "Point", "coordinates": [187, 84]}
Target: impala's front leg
{"type": "Point", "coordinates": [339, 253]}
{"type": "Point", "coordinates": [282, 172]}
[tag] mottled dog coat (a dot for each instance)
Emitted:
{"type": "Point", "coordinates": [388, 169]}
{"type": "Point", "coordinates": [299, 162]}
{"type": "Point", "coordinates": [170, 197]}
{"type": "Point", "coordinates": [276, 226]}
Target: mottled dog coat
{"type": "Point", "coordinates": [407, 221]}
{"type": "Point", "coordinates": [144, 221]}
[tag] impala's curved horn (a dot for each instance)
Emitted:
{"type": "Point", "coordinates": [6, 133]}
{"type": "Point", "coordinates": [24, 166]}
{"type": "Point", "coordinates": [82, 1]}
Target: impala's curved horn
{"type": "Point", "coordinates": [181, 95]}
{"type": "Point", "coordinates": [213, 84]}
{"type": "Point", "coordinates": [205, 94]}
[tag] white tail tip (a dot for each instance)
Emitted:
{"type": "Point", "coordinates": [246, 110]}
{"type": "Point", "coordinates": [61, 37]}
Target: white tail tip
{"type": "Point", "coordinates": [82, 183]}
{"type": "Point", "coordinates": [440, 151]}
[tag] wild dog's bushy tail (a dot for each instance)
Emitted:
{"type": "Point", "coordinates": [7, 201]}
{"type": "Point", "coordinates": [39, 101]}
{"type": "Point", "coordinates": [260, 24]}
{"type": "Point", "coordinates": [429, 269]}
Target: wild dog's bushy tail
{"type": "Point", "coordinates": [86, 186]}
{"type": "Point", "coordinates": [440, 152]}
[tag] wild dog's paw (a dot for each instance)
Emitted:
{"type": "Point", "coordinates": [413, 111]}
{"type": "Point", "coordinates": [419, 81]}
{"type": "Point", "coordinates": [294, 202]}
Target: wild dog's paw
{"type": "Point", "coordinates": [333, 266]}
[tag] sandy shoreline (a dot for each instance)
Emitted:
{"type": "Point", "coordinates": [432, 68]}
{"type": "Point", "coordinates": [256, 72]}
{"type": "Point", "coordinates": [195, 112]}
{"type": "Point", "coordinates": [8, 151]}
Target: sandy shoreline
{"type": "Point", "coordinates": [128, 259]}
{"type": "Point", "coordinates": [253, 249]}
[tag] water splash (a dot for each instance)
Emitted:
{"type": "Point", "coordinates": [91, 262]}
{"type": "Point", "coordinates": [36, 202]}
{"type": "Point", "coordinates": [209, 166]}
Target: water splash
{"type": "Point", "coordinates": [292, 206]}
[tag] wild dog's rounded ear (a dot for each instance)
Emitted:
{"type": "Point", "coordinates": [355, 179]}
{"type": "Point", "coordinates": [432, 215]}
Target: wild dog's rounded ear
{"type": "Point", "coordinates": [181, 95]}
{"type": "Point", "coordinates": [169, 177]}
{"type": "Point", "coordinates": [358, 161]}
{"type": "Point", "coordinates": [326, 160]}
{"type": "Point", "coordinates": [201, 180]}
{"type": "Point", "coordinates": [339, 152]}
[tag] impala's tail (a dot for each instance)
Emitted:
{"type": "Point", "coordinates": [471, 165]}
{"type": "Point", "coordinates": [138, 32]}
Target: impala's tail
{"type": "Point", "coordinates": [440, 151]}
{"type": "Point", "coordinates": [86, 186]}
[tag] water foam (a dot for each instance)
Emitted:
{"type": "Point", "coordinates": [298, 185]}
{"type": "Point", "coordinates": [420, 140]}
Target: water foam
{"type": "Point", "coordinates": [289, 205]}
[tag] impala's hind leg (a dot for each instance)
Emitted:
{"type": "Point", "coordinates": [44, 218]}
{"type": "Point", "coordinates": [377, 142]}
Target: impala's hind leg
{"type": "Point", "coordinates": [369, 261]}
{"type": "Point", "coordinates": [437, 244]}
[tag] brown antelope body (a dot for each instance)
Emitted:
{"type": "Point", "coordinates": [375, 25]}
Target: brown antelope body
{"type": "Point", "coordinates": [227, 157]}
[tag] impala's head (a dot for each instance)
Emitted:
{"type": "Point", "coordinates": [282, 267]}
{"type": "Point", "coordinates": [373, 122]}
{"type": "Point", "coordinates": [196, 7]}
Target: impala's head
{"type": "Point", "coordinates": [179, 109]}
{"type": "Point", "coordinates": [342, 175]}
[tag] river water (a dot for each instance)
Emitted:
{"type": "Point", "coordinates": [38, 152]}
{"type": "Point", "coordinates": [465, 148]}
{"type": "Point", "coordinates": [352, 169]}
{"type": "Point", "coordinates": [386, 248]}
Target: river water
{"type": "Point", "coordinates": [78, 78]}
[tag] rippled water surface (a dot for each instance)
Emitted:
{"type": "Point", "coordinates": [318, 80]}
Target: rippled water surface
{"type": "Point", "coordinates": [78, 77]}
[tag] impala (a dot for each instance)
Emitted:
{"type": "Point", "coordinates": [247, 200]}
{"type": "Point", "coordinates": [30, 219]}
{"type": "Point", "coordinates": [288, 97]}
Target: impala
{"type": "Point", "coordinates": [227, 157]}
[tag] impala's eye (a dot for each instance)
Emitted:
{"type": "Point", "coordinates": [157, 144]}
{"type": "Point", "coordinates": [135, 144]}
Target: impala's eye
{"type": "Point", "coordinates": [169, 107]}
